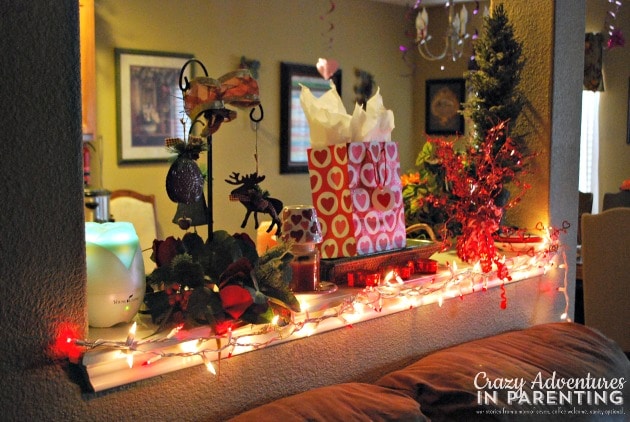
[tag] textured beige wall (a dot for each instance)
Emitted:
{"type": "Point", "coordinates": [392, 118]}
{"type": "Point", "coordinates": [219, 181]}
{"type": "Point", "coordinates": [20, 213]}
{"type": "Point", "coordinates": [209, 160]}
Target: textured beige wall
{"type": "Point", "coordinates": [614, 152]}
{"type": "Point", "coordinates": [535, 31]}
{"type": "Point", "coordinates": [42, 275]}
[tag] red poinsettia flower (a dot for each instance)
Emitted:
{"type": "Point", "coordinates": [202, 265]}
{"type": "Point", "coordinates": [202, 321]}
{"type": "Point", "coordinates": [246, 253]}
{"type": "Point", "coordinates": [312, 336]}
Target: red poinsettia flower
{"type": "Point", "coordinates": [237, 272]}
{"type": "Point", "coordinates": [165, 250]}
{"type": "Point", "coordinates": [235, 300]}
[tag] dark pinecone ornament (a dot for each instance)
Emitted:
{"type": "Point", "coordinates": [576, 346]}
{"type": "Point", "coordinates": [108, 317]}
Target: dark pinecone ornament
{"type": "Point", "coordinates": [184, 181]}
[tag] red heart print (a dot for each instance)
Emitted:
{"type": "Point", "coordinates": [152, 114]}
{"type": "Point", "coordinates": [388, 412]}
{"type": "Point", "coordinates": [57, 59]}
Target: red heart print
{"type": "Point", "coordinates": [340, 226]}
{"type": "Point", "coordinates": [321, 156]}
{"type": "Point", "coordinates": [340, 153]}
{"type": "Point", "coordinates": [367, 175]}
{"type": "Point", "coordinates": [365, 245]}
{"type": "Point", "coordinates": [350, 248]}
{"type": "Point", "coordinates": [330, 250]}
{"type": "Point", "coordinates": [384, 199]}
{"type": "Point", "coordinates": [399, 240]}
{"type": "Point", "coordinates": [297, 234]}
{"type": "Point", "coordinates": [375, 150]}
{"type": "Point", "coordinates": [335, 176]}
{"type": "Point", "coordinates": [390, 220]}
{"type": "Point", "coordinates": [356, 151]}
{"type": "Point", "coordinates": [382, 244]}
{"type": "Point", "coordinates": [391, 150]}
{"type": "Point", "coordinates": [347, 200]}
{"type": "Point", "coordinates": [372, 223]}
{"type": "Point", "coordinates": [328, 203]}
{"type": "Point", "coordinates": [361, 199]}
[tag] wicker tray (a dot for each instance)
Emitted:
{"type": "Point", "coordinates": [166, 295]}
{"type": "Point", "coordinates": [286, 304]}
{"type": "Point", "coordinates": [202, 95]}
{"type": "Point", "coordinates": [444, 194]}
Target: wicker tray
{"type": "Point", "coordinates": [336, 270]}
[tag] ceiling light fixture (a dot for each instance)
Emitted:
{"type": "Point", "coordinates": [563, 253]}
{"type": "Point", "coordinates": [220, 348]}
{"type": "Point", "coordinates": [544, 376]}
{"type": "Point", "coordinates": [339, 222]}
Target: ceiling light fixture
{"type": "Point", "coordinates": [453, 39]}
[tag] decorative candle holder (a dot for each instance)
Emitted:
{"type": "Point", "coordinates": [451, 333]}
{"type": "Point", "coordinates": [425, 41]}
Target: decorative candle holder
{"type": "Point", "coordinates": [300, 225]}
{"type": "Point", "coordinates": [115, 273]}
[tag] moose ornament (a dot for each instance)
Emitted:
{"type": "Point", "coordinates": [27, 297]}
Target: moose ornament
{"type": "Point", "coordinates": [255, 199]}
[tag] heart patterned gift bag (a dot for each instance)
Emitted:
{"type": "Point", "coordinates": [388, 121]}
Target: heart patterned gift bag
{"type": "Point", "coordinates": [357, 193]}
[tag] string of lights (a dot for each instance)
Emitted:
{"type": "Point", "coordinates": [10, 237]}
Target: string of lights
{"type": "Point", "coordinates": [201, 345]}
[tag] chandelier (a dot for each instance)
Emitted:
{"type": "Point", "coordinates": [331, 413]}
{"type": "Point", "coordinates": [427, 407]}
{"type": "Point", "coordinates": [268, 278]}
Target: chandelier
{"type": "Point", "coordinates": [453, 39]}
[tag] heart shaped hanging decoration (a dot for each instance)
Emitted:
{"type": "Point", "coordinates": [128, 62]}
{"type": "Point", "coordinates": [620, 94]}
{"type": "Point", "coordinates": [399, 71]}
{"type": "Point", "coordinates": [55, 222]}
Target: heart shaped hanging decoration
{"type": "Point", "coordinates": [327, 67]}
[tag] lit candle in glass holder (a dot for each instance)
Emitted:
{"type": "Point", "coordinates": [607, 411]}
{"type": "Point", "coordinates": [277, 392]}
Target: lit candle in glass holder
{"type": "Point", "coordinates": [300, 225]}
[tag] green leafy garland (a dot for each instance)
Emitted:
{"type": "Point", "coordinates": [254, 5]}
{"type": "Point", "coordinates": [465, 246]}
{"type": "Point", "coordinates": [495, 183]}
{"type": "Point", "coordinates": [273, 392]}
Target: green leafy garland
{"type": "Point", "coordinates": [220, 282]}
{"type": "Point", "coordinates": [428, 181]}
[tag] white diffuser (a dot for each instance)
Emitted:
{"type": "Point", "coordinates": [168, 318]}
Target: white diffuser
{"type": "Point", "coordinates": [115, 273]}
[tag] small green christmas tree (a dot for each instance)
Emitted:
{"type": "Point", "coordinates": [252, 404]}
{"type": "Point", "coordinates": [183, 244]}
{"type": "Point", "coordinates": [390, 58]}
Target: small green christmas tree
{"type": "Point", "coordinates": [496, 97]}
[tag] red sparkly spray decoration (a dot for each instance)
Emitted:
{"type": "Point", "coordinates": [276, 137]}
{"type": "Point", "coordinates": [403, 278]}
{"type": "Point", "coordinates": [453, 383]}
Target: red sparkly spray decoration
{"type": "Point", "coordinates": [476, 179]}
{"type": "Point", "coordinates": [503, 297]}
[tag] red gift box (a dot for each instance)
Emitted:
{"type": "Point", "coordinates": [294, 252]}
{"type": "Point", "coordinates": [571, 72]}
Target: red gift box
{"type": "Point", "coordinates": [426, 266]}
{"type": "Point", "coordinates": [363, 279]}
{"type": "Point", "coordinates": [357, 193]}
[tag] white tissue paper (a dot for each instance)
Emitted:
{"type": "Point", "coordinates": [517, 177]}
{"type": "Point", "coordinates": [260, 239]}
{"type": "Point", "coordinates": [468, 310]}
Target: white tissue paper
{"type": "Point", "coordinates": [330, 124]}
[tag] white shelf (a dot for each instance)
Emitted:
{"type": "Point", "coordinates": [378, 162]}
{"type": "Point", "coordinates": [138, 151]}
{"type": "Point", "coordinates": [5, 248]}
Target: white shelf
{"type": "Point", "coordinates": [108, 367]}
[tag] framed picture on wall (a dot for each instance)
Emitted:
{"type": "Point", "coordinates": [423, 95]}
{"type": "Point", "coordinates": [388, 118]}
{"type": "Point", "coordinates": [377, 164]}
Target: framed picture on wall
{"type": "Point", "coordinates": [444, 98]}
{"type": "Point", "coordinates": [149, 103]}
{"type": "Point", "coordinates": [294, 130]}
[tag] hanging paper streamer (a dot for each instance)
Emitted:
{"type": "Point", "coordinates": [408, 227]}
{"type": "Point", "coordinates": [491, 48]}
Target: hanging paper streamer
{"type": "Point", "coordinates": [330, 26]}
{"type": "Point", "coordinates": [615, 35]}
{"type": "Point", "coordinates": [328, 66]}
{"type": "Point", "coordinates": [410, 35]}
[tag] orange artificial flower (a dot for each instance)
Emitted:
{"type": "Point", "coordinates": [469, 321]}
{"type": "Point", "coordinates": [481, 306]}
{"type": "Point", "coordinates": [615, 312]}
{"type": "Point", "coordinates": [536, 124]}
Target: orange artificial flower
{"type": "Point", "coordinates": [411, 178]}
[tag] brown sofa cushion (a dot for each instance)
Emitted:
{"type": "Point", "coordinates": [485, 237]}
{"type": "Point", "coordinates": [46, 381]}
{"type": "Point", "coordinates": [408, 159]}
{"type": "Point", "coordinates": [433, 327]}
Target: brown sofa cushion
{"type": "Point", "coordinates": [443, 382]}
{"type": "Point", "coordinates": [341, 402]}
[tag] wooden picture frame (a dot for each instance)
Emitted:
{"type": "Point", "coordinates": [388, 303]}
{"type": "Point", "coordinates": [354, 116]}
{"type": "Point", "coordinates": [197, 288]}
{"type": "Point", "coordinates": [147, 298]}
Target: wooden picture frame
{"type": "Point", "coordinates": [149, 103]}
{"type": "Point", "coordinates": [294, 130]}
{"type": "Point", "coordinates": [444, 99]}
